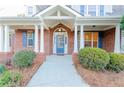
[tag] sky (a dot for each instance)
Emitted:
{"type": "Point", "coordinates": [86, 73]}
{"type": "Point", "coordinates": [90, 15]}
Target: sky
{"type": "Point", "coordinates": [14, 7]}
{"type": "Point", "coordinates": [12, 10]}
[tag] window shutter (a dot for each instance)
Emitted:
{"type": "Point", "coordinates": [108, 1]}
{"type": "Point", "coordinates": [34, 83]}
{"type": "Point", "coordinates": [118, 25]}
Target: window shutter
{"type": "Point", "coordinates": [100, 40]}
{"type": "Point", "coordinates": [24, 39]}
{"type": "Point", "coordinates": [82, 9]}
{"type": "Point", "coordinates": [101, 10]}
{"type": "Point", "coordinates": [33, 39]}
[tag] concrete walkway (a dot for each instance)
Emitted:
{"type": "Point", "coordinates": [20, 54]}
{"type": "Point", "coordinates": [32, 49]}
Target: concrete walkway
{"type": "Point", "coordinates": [57, 71]}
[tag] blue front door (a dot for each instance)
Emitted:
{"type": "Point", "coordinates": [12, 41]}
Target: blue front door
{"type": "Point", "coordinates": [60, 44]}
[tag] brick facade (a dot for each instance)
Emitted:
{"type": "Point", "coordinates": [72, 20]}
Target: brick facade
{"type": "Point", "coordinates": [48, 39]}
{"type": "Point", "coordinates": [108, 40]}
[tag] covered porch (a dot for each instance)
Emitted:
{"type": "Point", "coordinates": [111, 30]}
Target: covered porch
{"type": "Point", "coordinates": [59, 27]}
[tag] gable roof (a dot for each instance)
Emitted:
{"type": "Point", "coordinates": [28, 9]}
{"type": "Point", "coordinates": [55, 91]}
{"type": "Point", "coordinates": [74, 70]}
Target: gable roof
{"type": "Point", "coordinates": [66, 8]}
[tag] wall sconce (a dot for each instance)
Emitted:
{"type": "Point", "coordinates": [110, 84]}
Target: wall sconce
{"type": "Point", "coordinates": [60, 30]}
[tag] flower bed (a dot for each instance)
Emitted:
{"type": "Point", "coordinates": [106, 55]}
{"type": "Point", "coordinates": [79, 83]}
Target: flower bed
{"type": "Point", "coordinates": [27, 72]}
{"type": "Point", "coordinates": [99, 79]}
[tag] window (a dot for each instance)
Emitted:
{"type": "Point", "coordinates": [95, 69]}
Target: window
{"type": "Point", "coordinates": [30, 10]}
{"type": "Point", "coordinates": [88, 39]}
{"type": "Point", "coordinates": [95, 39]}
{"type": "Point", "coordinates": [29, 39]}
{"type": "Point", "coordinates": [92, 10]}
{"type": "Point", "coordinates": [101, 10]}
{"type": "Point", "coordinates": [91, 39]}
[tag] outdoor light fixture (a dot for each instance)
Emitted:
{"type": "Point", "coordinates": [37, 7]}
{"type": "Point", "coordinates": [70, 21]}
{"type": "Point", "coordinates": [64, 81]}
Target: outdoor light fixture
{"type": "Point", "coordinates": [94, 26]}
{"type": "Point", "coordinates": [60, 29]}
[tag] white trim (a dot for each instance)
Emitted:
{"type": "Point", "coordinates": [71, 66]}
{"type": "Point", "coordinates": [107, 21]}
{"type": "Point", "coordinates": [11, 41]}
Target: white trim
{"type": "Point", "coordinates": [42, 39]}
{"type": "Point", "coordinates": [1, 37]}
{"type": "Point", "coordinates": [81, 36]}
{"type": "Point", "coordinates": [29, 38]}
{"type": "Point", "coordinates": [97, 10]}
{"type": "Point", "coordinates": [54, 42]}
{"type": "Point", "coordinates": [84, 20]}
{"type": "Point", "coordinates": [58, 17]}
{"type": "Point", "coordinates": [122, 41]}
{"type": "Point", "coordinates": [108, 28]}
{"type": "Point", "coordinates": [117, 39]}
{"type": "Point", "coordinates": [75, 40]}
{"type": "Point", "coordinates": [6, 39]}
{"type": "Point", "coordinates": [36, 46]}
{"type": "Point", "coordinates": [58, 13]}
{"type": "Point", "coordinates": [45, 10]}
{"type": "Point", "coordinates": [61, 6]}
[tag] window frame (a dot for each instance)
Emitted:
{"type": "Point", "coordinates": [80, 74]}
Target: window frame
{"type": "Point", "coordinates": [30, 10]}
{"type": "Point", "coordinates": [29, 46]}
{"type": "Point", "coordinates": [91, 10]}
{"type": "Point", "coordinates": [92, 39]}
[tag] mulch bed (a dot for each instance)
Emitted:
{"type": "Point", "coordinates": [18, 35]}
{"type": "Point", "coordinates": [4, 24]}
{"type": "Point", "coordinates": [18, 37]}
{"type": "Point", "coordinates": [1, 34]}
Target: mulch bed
{"type": "Point", "coordinates": [27, 73]}
{"type": "Point", "coordinates": [101, 79]}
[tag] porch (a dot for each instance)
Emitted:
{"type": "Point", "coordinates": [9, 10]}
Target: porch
{"type": "Point", "coordinates": [38, 33]}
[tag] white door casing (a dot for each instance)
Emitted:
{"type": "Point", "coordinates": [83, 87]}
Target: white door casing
{"type": "Point", "coordinates": [65, 41]}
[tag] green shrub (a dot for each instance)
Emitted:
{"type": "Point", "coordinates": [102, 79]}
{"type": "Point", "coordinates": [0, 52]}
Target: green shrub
{"type": "Point", "coordinates": [24, 58]}
{"type": "Point", "coordinates": [2, 68]}
{"type": "Point", "coordinates": [10, 79]}
{"type": "Point", "coordinates": [93, 58]}
{"type": "Point", "coordinates": [116, 62]}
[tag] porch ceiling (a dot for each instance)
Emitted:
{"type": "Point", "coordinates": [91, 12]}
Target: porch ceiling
{"type": "Point", "coordinates": [51, 23]}
{"type": "Point", "coordinates": [97, 27]}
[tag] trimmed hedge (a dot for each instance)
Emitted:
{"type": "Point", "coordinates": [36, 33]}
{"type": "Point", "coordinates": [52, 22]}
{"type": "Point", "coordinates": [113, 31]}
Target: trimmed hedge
{"type": "Point", "coordinates": [24, 58]}
{"type": "Point", "coordinates": [116, 62]}
{"type": "Point", "coordinates": [2, 68]}
{"type": "Point", "coordinates": [94, 58]}
{"type": "Point", "coordinates": [10, 79]}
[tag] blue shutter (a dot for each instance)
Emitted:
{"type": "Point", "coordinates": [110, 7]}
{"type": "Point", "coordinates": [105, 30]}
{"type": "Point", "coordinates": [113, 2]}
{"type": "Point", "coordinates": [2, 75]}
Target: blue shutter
{"type": "Point", "coordinates": [82, 10]}
{"type": "Point", "coordinates": [33, 38]}
{"type": "Point", "coordinates": [24, 39]}
{"type": "Point", "coordinates": [101, 10]}
{"type": "Point", "coordinates": [100, 40]}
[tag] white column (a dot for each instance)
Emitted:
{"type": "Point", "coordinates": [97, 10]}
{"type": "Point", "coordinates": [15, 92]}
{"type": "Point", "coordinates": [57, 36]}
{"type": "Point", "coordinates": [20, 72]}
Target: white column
{"type": "Point", "coordinates": [42, 39]}
{"type": "Point", "coordinates": [75, 40]}
{"type": "Point", "coordinates": [1, 38]}
{"type": "Point", "coordinates": [6, 39]}
{"type": "Point", "coordinates": [81, 36]}
{"type": "Point", "coordinates": [117, 39]}
{"type": "Point", "coordinates": [36, 48]}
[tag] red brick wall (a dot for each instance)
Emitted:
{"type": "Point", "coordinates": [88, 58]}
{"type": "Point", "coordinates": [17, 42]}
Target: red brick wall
{"type": "Point", "coordinates": [48, 39]}
{"type": "Point", "coordinates": [18, 39]}
{"type": "Point", "coordinates": [108, 40]}
{"type": "Point", "coordinates": [70, 38]}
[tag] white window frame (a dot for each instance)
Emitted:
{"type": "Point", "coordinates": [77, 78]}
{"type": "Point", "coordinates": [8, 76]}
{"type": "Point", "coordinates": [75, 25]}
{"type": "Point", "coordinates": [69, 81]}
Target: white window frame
{"type": "Point", "coordinates": [29, 38]}
{"type": "Point", "coordinates": [87, 10]}
{"type": "Point", "coordinates": [92, 40]}
{"type": "Point", "coordinates": [30, 10]}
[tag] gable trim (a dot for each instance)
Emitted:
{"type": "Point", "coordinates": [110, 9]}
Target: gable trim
{"type": "Point", "coordinates": [63, 6]}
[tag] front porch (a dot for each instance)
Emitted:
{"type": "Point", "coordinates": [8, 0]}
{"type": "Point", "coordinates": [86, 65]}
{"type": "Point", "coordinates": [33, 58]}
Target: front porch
{"type": "Point", "coordinates": [90, 36]}
{"type": "Point", "coordinates": [59, 29]}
